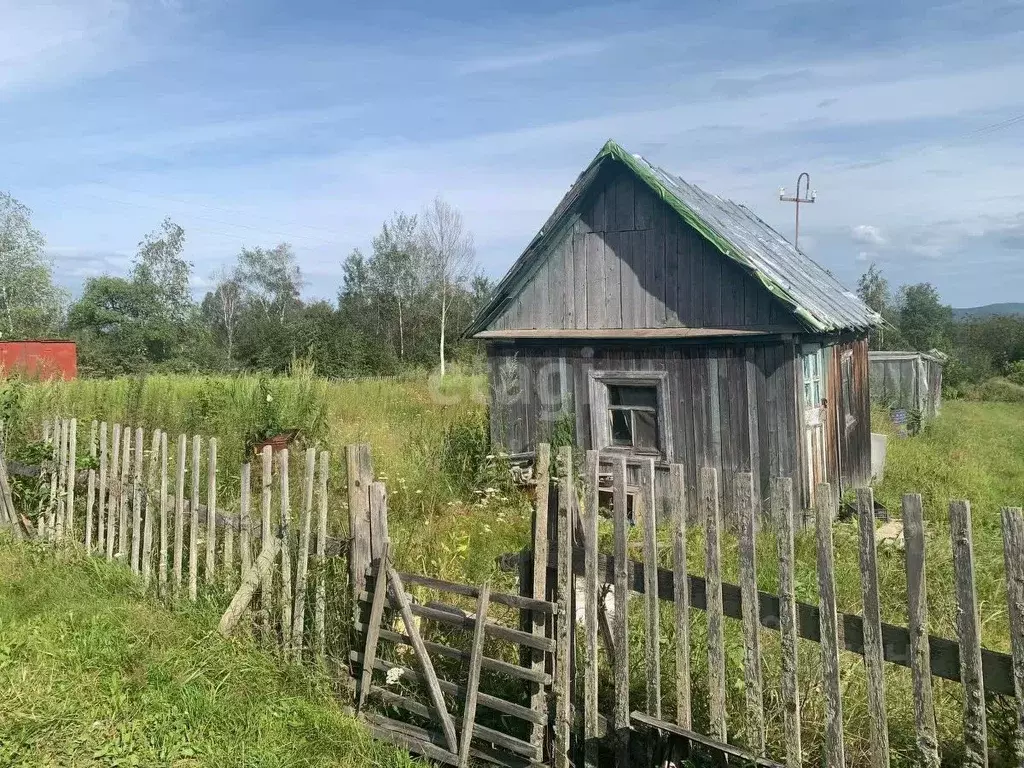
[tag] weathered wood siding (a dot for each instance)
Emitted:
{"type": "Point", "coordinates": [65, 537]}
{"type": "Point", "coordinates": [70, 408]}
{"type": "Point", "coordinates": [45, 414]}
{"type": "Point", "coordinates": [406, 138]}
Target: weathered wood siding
{"type": "Point", "coordinates": [731, 406]}
{"type": "Point", "coordinates": [848, 421]}
{"type": "Point", "coordinates": [628, 261]}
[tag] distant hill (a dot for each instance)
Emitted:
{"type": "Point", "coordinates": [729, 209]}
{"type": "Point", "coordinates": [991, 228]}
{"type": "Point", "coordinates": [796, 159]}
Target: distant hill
{"type": "Point", "coordinates": [989, 310]}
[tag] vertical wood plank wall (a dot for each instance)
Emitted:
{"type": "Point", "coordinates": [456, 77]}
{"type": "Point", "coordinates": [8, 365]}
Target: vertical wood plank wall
{"type": "Point", "coordinates": [628, 261]}
{"type": "Point", "coordinates": [731, 407]}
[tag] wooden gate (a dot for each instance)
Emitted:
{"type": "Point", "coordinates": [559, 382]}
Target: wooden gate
{"type": "Point", "coordinates": [466, 675]}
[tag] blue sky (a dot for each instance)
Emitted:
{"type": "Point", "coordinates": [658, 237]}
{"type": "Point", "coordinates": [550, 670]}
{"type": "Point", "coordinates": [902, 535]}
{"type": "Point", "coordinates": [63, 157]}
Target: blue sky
{"type": "Point", "coordinates": [252, 122]}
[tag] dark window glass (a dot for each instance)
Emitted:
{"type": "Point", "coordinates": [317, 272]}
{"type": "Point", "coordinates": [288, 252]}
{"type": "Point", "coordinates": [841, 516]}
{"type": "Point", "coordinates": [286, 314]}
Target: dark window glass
{"type": "Point", "coordinates": [643, 397]}
{"type": "Point", "coordinates": [633, 411]}
{"type": "Point", "coordinates": [622, 429]}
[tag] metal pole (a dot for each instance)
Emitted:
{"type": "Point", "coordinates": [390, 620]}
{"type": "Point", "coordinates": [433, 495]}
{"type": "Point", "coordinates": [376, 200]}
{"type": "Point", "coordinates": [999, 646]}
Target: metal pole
{"type": "Point", "coordinates": [809, 196]}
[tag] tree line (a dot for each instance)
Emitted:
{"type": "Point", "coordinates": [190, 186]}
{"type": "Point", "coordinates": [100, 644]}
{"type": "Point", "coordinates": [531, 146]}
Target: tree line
{"type": "Point", "coordinates": [403, 305]}
{"type": "Point", "coordinates": [916, 318]}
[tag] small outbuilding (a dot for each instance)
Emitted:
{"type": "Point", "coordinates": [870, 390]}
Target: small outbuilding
{"type": "Point", "coordinates": [652, 319]}
{"type": "Point", "coordinates": [909, 381]}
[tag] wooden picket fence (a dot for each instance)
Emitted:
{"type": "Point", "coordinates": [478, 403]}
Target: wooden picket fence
{"type": "Point", "coordinates": [182, 541]}
{"type": "Point", "coordinates": [515, 679]}
{"type": "Point", "coordinates": [927, 656]}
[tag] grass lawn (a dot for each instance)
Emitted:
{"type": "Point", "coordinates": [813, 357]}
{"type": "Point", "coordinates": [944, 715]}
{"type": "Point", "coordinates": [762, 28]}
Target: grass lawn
{"type": "Point", "coordinates": [92, 673]}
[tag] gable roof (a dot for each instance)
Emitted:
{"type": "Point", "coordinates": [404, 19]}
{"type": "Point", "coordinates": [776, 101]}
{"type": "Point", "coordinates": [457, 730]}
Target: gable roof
{"type": "Point", "coordinates": [813, 293]}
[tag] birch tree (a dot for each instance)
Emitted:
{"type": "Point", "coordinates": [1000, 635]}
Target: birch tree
{"type": "Point", "coordinates": [449, 254]}
{"type": "Point", "coordinates": [398, 268]}
{"type": "Point", "coordinates": [30, 303]}
{"type": "Point", "coordinates": [227, 296]}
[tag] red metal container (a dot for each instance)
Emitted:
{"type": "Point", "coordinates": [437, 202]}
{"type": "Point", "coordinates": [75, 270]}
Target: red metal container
{"type": "Point", "coordinates": [42, 359]}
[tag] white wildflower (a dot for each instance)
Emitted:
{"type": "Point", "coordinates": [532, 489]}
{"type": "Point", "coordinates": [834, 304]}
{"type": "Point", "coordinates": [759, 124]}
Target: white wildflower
{"type": "Point", "coordinates": [394, 675]}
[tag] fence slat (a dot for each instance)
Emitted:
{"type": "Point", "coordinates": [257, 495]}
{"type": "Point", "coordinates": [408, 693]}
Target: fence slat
{"type": "Point", "coordinates": [266, 500]}
{"type": "Point", "coordinates": [319, 611]}
{"type": "Point", "coordinates": [542, 470]}
{"type": "Point", "coordinates": [244, 522]}
{"type": "Point", "coordinates": [227, 551]}
{"type": "Point", "coordinates": [286, 554]}
{"type": "Point", "coordinates": [752, 677]}
{"type": "Point", "coordinates": [681, 596]}
{"type": "Point", "coordinates": [380, 588]}
{"type": "Point", "coordinates": [590, 598]}
{"type": "Point", "coordinates": [653, 633]}
{"type": "Point", "coordinates": [56, 523]}
{"type": "Point", "coordinates": [243, 597]}
{"type": "Point", "coordinates": [621, 617]}
{"type": "Point", "coordinates": [210, 574]}
{"type": "Point", "coordinates": [146, 562]}
{"type": "Point", "coordinates": [122, 492]}
{"type": "Point", "coordinates": [112, 490]}
{"type": "Point", "coordinates": [163, 533]}
{"type": "Point", "coordinates": [101, 517]}
{"type": "Point", "coordinates": [137, 494]}
{"type": "Point", "coordinates": [713, 570]}
{"type": "Point", "coordinates": [782, 514]}
{"type": "Point", "coordinates": [969, 632]}
{"type": "Point", "coordinates": [360, 475]}
{"type": "Point", "coordinates": [193, 519]}
{"type": "Point", "coordinates": [378, 517]}
{"type": "Point", "coordinates": [90, 497]}
{"type": "Point", "coordinates": [825, 513]}
{"type": "Point", "coordinates": [917, 615]}
{"type": "Point", "coordinates": [430, 677]}
{"type": "Point", "coordinates": [874, 661]}
{"type": "Point", "coordinates": [476, 654]}
{"type": "Point", "coordinates": [70, 473]}
{"type": "Point", "coordinates": [564, 596]}
{"type": "Point", "coordinates": [179, 510]}
{"type": "Point", "coordinates": [302, 559]}
{"type": "Point", "coordinates": [1013, 557]}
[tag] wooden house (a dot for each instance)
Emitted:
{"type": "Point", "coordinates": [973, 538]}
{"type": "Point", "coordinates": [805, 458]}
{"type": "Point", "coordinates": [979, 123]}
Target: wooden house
{"type": "Point", "coordinates": [650, 318]}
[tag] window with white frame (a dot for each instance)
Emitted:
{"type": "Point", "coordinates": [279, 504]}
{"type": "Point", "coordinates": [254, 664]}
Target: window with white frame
{"type": "Point", "coordinates": [629, 414]}
{"type": "Point", "coordinates": [813, 386]}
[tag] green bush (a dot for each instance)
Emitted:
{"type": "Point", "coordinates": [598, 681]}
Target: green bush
{"type": "Point", "coordinates": [999, 390]}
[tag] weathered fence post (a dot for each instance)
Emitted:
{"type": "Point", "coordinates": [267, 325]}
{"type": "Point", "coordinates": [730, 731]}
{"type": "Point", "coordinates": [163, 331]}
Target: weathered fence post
{"type": "Point", "coordinates": [542, 469]}
{"type": "Point", "coordinates": [90, 499]}
{"type": "Point", "coordinates": [874, 660]}
{"type": "Point", "coordinates": [302, 557]}
{"type": "Point", "coordinates": [137, 494]}
{"type": "Point", "coordinates": [653, 630]}
{"type": "Point", "coordinates": [243, 597]}
{"type": "Point", "coordinates": [715, 613]}
{"type": "Point", "coordinates": [590, 598]}
{"type": "Point", "coordinates": [751, 608]}
{"type": "Point", "coordinates": [163, 534]}
{"type": "Point", "coordinates": [620, 511]}
{"type": "Point", "coordinates": [360, 475]}
{"type": "Point", "coordinates": [150, 497]}
{"type": "Point", "coordinates": [193, 521]}
{"type": "Point", "coordinates": [320, 609]}
{"type": "Point", "coordinates": [210, 574]}
{"type": "Point", "coordinates": [782, 514]}
{"type": "Point", "coordinates": [825, 514]}
{"type": "Point", "coordinates": [179, 511]}
{"type": "Point", "coordinates": [564, 597]}
{"type": "Point", "coordinates": [969, 632]}
{"type": "Point", "coordinates": [266, 501]}
{"type": "Point", "coordinates": [122, 492]}
{"type": "Point", "coordinates": [101, 496]}
{"type": "Point", "coordinates": [917, 615]}
{"type": "Point", "coordinates": [681, 585]}
{"type": "Point", "coordinates": [286, 555]}
{"type": "Point", "coordinates": [244, 521]}
{"type": "Point", "coordinates": [1013, 557]}
{"type": "Point", "coordinates": [112, 491]}
{"type": "Point", "coordinates": [72, 455]}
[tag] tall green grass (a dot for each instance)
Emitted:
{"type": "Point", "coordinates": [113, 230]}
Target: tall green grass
{"type": "Point", "coordinates": [94, 673]}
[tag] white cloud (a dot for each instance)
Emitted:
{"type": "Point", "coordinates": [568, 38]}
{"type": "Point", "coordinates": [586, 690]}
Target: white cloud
{"type": "Point", "coordinates": [868, 234]}
{"type": "Point", "coordinates": [531, 57]}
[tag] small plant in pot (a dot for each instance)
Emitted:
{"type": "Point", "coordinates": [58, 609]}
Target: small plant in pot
{"type": "Point", "coordinates": [268, 428]}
